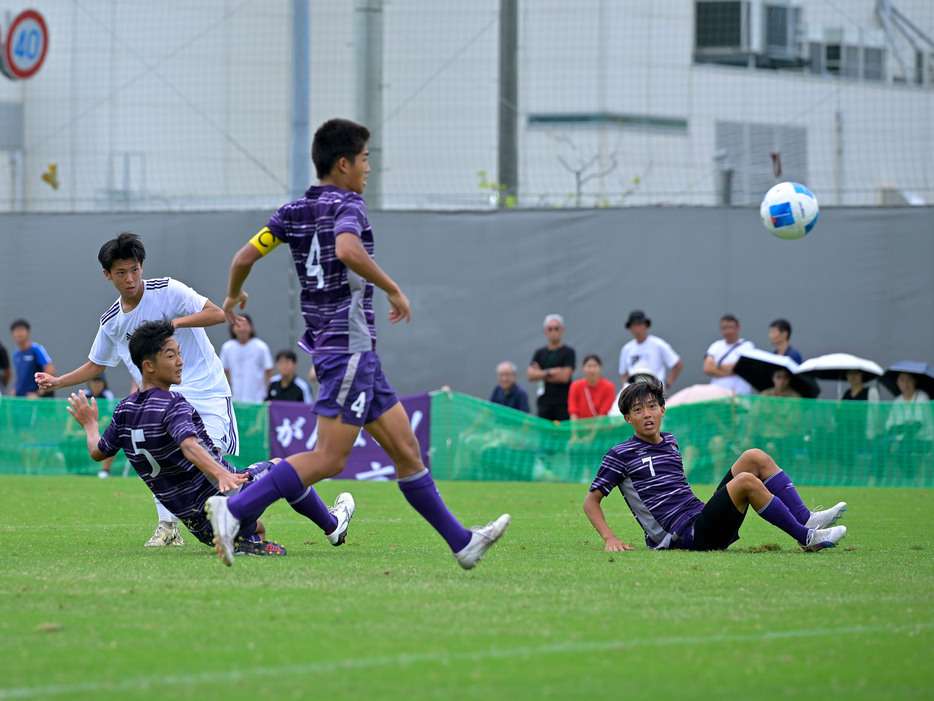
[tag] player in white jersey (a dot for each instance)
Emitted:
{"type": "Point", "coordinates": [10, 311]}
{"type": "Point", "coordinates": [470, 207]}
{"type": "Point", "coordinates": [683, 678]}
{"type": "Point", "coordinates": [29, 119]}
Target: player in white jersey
{"type": "Point", "coordinates": [204, 383]}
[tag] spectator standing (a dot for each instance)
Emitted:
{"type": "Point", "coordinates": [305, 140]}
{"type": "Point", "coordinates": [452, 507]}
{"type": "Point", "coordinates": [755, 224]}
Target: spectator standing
{"type": "Point", "coordinates": [722, 355]}
{"type": "Point", "coordinates": [553, 367]}
{"type": "Point", "coordinates": [286, 386]}
{"type": "Point", "coordinates": [28, 359]}
{"type": "Point", "coordinates": [5, 371]}
{"type": "Point", "coordinates": [247, 363]}
{"type": "Point", "coordinates": [592, 395]}
{"type": "Point", "coordinates": [779, 336]}
{"type": "Point", "coordinates": [644, 348]}
{"type": "Point", "coordinates": [507, 392]}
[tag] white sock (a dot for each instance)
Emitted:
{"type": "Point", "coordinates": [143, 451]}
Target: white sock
{"type": "Point", "coordinates": [164, 513]}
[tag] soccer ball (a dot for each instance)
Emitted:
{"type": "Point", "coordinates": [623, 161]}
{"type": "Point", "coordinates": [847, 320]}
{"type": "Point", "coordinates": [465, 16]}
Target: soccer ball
{"type": "Point", "coordinates": [789, 211]}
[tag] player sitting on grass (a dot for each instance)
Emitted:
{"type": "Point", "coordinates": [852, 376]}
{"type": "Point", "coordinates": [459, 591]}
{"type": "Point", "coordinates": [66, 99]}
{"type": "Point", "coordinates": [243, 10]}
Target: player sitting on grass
{"type": "Point", "coordinates": [166, 442]}
{"type": "Point", "coordinates": [648, 471]}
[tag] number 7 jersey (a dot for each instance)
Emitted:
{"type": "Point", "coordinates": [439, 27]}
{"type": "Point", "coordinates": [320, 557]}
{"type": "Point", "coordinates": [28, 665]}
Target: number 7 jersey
{"type": "Point", "coordinates": [651, 479]}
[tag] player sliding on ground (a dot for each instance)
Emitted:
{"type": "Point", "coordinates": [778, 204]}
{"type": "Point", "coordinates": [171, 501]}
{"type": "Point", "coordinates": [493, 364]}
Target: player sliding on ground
{"type": "Point", "coordinates": [168, 446]}
{"type": "Point", "coordinates": [140, 300]}
{"type": "Point", "coordinates": [648, 471]}
{"type": "Point", "coordinates": [332, 247]}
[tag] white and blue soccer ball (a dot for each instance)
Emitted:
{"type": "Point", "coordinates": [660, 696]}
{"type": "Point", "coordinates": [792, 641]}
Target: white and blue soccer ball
{"type": "Point", "coordinates": [789, 210]}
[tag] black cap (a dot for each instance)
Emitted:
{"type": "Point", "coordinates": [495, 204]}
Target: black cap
{"type": "Point", "coordinates": [638, 317]}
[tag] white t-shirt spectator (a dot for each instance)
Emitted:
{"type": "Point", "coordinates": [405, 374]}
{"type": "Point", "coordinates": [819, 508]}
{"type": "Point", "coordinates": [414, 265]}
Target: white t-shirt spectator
{"type": "Point", "coordinates": [724, 353]}
{"type": "Point", "coordinates": [654, 352]}
{"type": "Point", "coordinates": [248, 365]}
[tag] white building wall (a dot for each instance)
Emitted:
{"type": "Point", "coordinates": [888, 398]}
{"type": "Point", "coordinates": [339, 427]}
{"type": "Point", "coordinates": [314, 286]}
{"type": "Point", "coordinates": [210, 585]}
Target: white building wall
{"type": "Point", "coordinates": [186, 105]}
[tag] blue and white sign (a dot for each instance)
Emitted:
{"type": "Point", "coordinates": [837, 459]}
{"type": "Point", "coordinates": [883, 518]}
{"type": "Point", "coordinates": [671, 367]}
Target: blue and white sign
{"type": "Point", "coordinates": [25, 46]}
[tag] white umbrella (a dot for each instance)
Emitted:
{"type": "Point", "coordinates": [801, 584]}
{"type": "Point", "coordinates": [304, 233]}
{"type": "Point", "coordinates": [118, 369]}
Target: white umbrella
{"type": "Point", "coordinates": [698, 393]}
{"type": "Point", "coordinates": [834, 366]}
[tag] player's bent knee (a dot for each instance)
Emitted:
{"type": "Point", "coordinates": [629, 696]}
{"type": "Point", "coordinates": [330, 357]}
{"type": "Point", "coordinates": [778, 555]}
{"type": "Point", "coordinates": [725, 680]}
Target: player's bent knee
{"type": "Point", "coordinates": [746, 482]}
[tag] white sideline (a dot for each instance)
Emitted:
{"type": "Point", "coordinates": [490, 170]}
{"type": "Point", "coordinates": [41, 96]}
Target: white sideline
{"type": "Point", "coordinates": [168, 681]}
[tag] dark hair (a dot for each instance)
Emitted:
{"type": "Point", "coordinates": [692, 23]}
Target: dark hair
{"type": "Point", "coordinates": [252, 328]}
{"type": "Point", "coordinates": [286, 354]}
{"type": "Point", "coordinates": [782, 325]}
{"type": "Point", "coordinates": [148, 340]}
{"type": "Point", "coordinates": [729, 317]}
{"type": "Point", "coordinates": [126, 246]}
{"type": "Point", "coordinates": [643, 389]}
{"type": "Point", "coordinates": [592, 356]}
{"type": "Point", "coordinates": [336, 139]}
{"type": "Point", "coordinates": [18, 323]}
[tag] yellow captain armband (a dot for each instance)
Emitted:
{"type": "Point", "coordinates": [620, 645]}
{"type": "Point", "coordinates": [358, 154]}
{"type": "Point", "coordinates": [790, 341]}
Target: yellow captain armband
{"type": "Point", "coordinates": [265, 241]}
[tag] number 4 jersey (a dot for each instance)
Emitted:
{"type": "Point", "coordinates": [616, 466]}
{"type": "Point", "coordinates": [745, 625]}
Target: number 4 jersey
{"type": "Point", "coordinates": [651, 479]}
{"type": "Point", "coordinates": [337, 304]}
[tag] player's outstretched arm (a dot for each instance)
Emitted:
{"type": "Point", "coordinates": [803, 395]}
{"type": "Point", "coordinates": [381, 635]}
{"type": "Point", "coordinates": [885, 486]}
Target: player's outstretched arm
{"type": "Point", "coordinates": [79, 376]}
{"type": "Point", "coordinates": [594, 511]}
{"type": "Point", "coordinates": [240, 268]}
{"type": "Point", "coordinates": [202, 459]}
{"type": "Point", "coordinates": [210, 315]}
{"type": "Point", "coordinates": [86, 415]}
{"type": "Point", "coordinates": [352, 254]}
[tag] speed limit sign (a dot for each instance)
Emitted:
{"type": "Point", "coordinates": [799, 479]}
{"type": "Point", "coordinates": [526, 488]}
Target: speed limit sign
{"type": "Point", "coordinates": [26, 44]}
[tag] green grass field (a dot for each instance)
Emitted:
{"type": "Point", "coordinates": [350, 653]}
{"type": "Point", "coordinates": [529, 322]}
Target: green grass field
{"type": "Point", "coordinates": [88, 613]}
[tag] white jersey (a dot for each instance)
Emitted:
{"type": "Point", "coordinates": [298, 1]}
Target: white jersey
{"type": "Point", "coordinates": [204, 383]}
{"type": "Point", "coordinates": [653, 351]}
{"type": "Point", "coordinates": [724, 353]}
{"type": "Point", "coordinates": [163, 298]}
{"type": "Point", "coordinates": [247, 364]}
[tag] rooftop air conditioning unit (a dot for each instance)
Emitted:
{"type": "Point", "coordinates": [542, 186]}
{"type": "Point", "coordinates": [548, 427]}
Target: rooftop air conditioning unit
{"type": "Point", "coordinates": [782, 31]}
{"type": "Point", "coordinates": [722, 29]}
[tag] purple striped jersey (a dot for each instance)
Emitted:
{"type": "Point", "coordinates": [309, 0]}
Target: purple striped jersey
{"type": "Point", "coordinates": [336, 302]}
{"type": "Point", "coordinates": [651, 479]}
{"type": "Point", "coordinates": [150, 427]}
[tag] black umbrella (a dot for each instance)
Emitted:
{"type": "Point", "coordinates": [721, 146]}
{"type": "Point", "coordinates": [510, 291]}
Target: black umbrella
{"type": "Point", "coordinates": [757, 367]}
{"type": "Point", "coordinates": [923, 372]}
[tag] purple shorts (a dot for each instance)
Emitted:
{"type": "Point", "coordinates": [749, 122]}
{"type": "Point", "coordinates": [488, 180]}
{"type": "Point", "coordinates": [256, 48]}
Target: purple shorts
{"type": "Point", "coordinates": [353, 387]}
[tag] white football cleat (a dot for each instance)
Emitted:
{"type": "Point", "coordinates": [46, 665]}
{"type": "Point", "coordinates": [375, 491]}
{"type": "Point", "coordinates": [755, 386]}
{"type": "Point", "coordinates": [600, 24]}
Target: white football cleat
{"type": "Point", "coordinates": [821, 538]}
{"type": "Point", "coordinates": [481, 541]}
{"type": "Point", "coordinates": [166, 534]}
{"type": "Point", "coordinates": [827, 517]}
{"type": "Point", "coordinates": [343, 510]}
{"type": "Point", "coordinates": [225, 527]}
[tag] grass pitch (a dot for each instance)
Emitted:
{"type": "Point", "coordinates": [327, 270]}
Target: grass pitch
{"type": "Point", "coordinates": [88, 613]}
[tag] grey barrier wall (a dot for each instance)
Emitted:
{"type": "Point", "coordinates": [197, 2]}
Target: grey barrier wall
{"type": "Point", "coordinates": [480, 283]}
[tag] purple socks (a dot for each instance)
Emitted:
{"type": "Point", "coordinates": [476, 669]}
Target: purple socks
{"type": "Point", "coordinates": [281, 482]}
{"type": "Point", "coordinates": [310, 506]}
{"type": "Point", "coordinates": [420, 491]}
{"type": "Point", "coordinates": [776, 513]}
{"type": "Point", "coordinates": [780, 485]}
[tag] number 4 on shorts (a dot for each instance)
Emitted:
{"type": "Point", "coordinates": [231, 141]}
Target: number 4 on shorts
{"type": "Point", "coordinates": [359, 405]}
